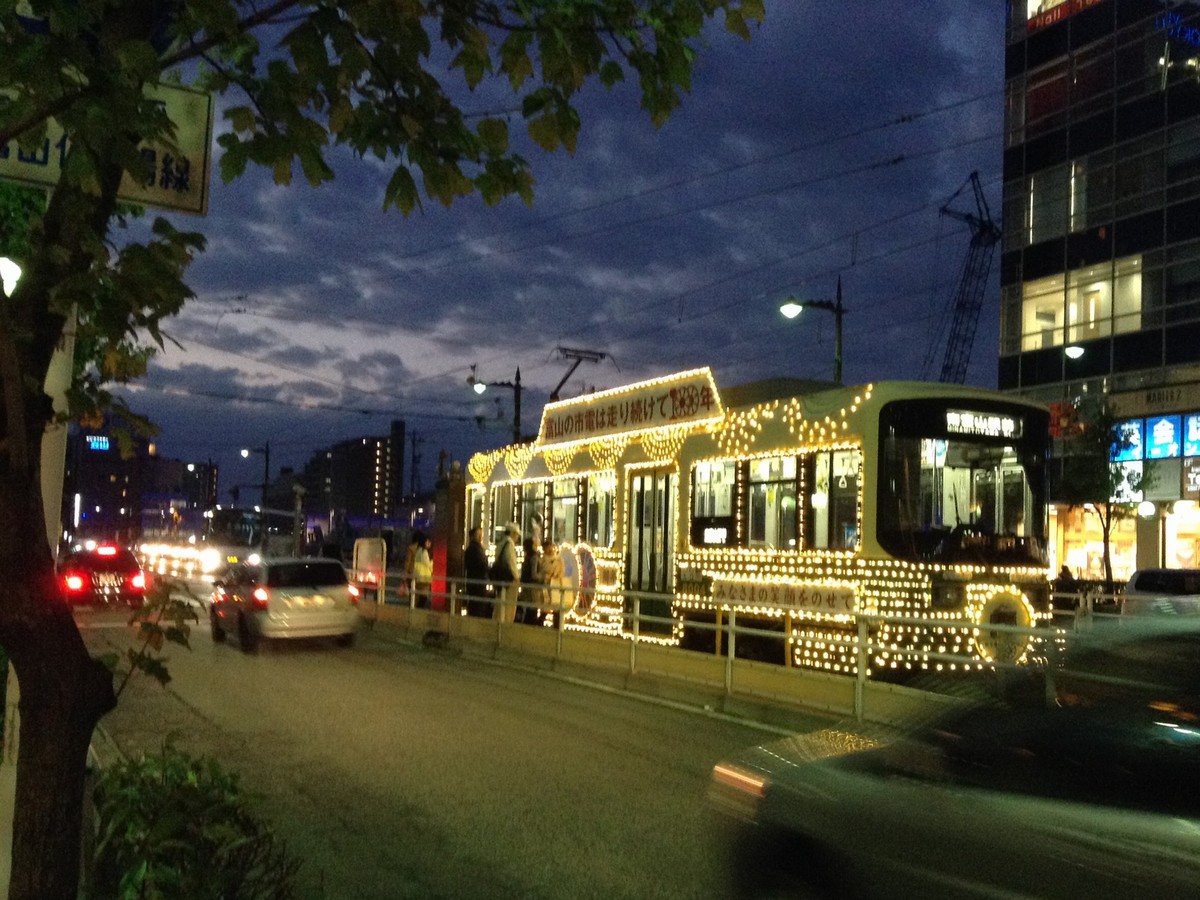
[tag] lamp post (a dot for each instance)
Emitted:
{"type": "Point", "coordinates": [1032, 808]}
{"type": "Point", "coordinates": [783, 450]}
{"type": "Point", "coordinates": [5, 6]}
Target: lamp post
{"type": "Point", "coordinates": [10, 273]}
{"type": "Point", "coordinates": [480, 386]}
{"type": "Point", "coordinates": [265, 450]}
{"type": "Point", "coordinates": [793, 308]}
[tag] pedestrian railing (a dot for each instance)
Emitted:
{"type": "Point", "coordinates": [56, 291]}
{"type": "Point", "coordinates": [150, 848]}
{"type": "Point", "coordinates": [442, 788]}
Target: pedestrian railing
{"type": "Point", "coordinates": [468, 610]}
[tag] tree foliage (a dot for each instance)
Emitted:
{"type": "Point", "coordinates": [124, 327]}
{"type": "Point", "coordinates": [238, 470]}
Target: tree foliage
{"type": "Point", "coordinates": [1092, 478]}
{"type": "Point", "coordinates": [434, 88]}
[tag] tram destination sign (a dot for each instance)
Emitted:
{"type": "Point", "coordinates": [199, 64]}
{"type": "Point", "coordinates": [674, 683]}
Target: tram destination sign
{"type": "Point", "coordinates": [983, 424]}
{"type": "Point", "coordinates": [180, 170]}
{"type": "Point", "coordinates": [687, 398]}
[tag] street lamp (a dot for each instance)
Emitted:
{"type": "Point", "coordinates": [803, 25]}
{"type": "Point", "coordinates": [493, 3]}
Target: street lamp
{"type": "Point", "coordinates": [265, 450]}
{"type": "Point", "coordinates": [793, 308]}
{"type": "Point", "coordinates": [480, 386]}
{"type": "Point", "coordinates": [10, 272]}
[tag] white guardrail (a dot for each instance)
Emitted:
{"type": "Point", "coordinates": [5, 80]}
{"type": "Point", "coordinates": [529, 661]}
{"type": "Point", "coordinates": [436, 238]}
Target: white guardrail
{"type": "Point", "coordinates": [643, 633]}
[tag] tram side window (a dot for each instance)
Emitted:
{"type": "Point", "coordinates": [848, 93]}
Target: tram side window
{"type": "Point", "coordinates": [531, 502]}
{"type": "Point", "coordinates": [713, 492]}
{"type": "Point", "coordinates": [601, 499]}
{"type": "Point", "coordinates": [831, 498]}
{"type": "Point", "coordinates": [502, 510]}
{"type": "Point", "coordinates": [474, 508]}
{"type": "Point", "coordinates": [564, 511]}
{"type": "Point", "coordinates": [772, 522]}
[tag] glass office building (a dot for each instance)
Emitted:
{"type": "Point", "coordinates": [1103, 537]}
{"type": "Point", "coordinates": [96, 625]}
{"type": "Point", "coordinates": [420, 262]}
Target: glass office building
{"type": "Point", "coordinates": [1100, 270]}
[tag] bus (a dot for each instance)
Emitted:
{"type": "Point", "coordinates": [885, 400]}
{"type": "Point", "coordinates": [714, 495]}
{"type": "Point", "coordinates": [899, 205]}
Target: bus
{"type": "Point", "coordinates": [798, 506]}
{"type": "Point", "coordinates": [227, 535]}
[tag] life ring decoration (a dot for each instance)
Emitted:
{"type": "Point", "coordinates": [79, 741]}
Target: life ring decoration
{"type": "Point", "coordinates": [1005, 608]}
{"type": "Point", "coordinates": [587, 579]}
{"type": "Point", "coordinates": [569, 584]}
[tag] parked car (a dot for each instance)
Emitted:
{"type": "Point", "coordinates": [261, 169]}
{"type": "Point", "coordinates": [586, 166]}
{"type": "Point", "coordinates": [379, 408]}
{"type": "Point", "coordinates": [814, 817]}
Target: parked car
{"type": "Point", "coordinates": [1098, 797]}
{"type": "Point", "coordinates": [284, 598]}
{"type": "Point", "coordinates": [1162, 592]}
{"type": "Point", "coordinates": [102, 574]}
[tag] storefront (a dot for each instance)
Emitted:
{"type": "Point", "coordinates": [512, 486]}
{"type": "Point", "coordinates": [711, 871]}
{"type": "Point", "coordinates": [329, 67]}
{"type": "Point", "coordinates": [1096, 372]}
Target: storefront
{"type": "Point", "coordinates": [1160, 523]}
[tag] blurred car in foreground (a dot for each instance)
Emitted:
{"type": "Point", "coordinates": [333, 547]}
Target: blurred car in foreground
{"type": "Point", "coordinates": [284, 598]}
{"type": "Point", "coordinates": [101, 575]}
{"type": "Point", "coordinates": [1096, 798]}
{"type": "Point", "coordinates": [1162, 592]}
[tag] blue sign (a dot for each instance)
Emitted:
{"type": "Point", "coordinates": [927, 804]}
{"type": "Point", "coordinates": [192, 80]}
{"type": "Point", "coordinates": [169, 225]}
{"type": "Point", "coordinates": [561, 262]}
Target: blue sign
{"type": "Point", "coordinates": [1191, 435]}
{"type": "Point", "coordinates": [97, 442]}
{"type": "Point", "coordinates": [1128, 447]}
{"type": "Point", "coordinates": [1163, 437]}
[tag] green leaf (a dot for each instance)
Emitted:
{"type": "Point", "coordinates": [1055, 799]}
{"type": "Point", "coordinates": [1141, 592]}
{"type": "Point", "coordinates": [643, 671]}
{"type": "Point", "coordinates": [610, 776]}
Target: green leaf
{"type": "Point", "coordinates": [401, 191]}
{"type": "Point", "coordinates": [241, 118]}
{"type": "Point", "coordinates": [544, 131]}
{"type": "Point", "coordinates": [494, 134]}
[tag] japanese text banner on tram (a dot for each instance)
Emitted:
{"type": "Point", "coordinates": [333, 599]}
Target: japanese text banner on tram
{"type": "Point", "coordinates": [687, 398]}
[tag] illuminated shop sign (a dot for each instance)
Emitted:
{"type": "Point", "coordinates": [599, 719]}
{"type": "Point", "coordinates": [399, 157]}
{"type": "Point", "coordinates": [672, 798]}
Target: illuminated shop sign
{"type": "Point", "coordinates": [1130, 443]}
{"type": "Point", "coordinates": [1191, 479]}
{"type": "Point", "coordinates": [1172, 24]}
{"type": "Point", "coordinates": [1047, 12]}
{"type": "Point", "coordinates": [1191, 435]}
{"type": "Point", "coordinates": [1163, 437]}
{"type": "Point", "coordinates": [97, 442]}
{"type": "Point", "coordinates": [981, 424]}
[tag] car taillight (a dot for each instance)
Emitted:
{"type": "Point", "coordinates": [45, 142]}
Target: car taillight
{"type": "Point", "coordinates": [74, 582]}
{"type": "Point", "coordinates": [354, 592]}
{"type": "Point", "coordinates": [261, 597]}
{"type": "Point", "coordinates": [137, 581]}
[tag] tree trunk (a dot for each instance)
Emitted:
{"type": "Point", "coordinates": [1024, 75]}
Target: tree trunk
{"type": "Point", "coordinates": [63, 695]}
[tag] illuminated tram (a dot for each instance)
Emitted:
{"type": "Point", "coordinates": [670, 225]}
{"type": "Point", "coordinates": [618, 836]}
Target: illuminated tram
{"type": "Point", "coordinates": [796, 505]}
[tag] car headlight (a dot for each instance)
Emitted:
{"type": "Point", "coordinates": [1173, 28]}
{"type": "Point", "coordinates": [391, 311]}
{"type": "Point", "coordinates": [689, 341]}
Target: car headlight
{"type": "Point", "coordinates": [210, 560]}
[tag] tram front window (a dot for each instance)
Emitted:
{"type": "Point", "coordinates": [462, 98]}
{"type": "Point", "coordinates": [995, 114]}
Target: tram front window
{"type": "Point", "coordinates": [959, 500]}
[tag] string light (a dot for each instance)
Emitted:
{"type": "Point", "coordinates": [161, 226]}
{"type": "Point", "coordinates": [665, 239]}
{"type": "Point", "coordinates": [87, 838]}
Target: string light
{"type": "Point", "coordinates": [924, 615]}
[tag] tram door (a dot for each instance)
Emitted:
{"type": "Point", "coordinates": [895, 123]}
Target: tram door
{"type": "Point", "coordinates": [649, 560]}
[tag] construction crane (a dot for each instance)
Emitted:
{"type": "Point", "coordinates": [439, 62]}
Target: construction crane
{"type": "Point", "coordinates": [968, 296]}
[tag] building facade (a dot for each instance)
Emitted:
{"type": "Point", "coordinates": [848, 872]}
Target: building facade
{"type": "Point", "coordinates": [1100, 270]}
{"type": "Point", "coordinates": [132, 495]}
{"type": "Point", "coordinates": [358, 478]}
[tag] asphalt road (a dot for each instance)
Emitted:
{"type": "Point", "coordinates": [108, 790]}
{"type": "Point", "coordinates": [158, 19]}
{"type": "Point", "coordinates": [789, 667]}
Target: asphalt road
{"type": "Point", "coordinates": [399, 771]}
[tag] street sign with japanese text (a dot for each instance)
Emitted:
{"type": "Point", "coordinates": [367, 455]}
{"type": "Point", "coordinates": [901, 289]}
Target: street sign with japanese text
{"type": "Point", "coordinates": [180, 171]}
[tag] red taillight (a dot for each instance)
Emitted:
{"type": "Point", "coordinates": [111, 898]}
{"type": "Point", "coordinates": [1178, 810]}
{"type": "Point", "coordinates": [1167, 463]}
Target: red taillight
{"type": "Point", "coordinates": [354, 592]}
{"type": "Point", "coordinates": [74, 582]}
{"type": "Point", "coordinates": [106, 551]}
{"type": "Point", "coordinates": [137, 581]}
{"type": "Point", "coordinates": [261, 597]}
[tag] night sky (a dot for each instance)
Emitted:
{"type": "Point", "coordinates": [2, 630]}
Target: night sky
{"type": "Point", "coordinates": [825, 147]}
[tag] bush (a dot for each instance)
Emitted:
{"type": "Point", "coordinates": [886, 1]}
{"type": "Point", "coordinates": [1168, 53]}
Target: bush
{"type": "Point", "coordinates": [172, 826]}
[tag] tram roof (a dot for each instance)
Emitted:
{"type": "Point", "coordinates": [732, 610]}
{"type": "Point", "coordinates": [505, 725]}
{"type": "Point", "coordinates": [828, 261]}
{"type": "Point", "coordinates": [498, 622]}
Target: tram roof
{"type": "Point", "coordinates": [781, 388]}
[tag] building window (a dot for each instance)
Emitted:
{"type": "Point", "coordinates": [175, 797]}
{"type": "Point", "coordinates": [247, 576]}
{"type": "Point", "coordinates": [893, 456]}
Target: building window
{"type": "Point", "coordinates": [1090, 303]}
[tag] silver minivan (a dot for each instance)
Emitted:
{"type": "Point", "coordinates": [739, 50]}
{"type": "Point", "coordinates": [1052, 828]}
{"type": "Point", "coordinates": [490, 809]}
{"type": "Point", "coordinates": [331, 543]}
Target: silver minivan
{"type": "Point", "coordinates": [1158, 592]}
{"type": "Point", "coordinates": [284, 598]}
